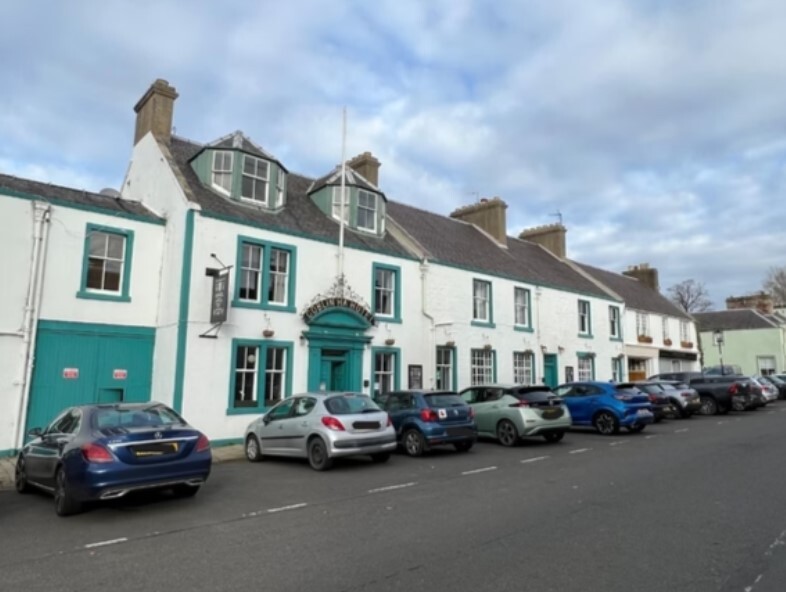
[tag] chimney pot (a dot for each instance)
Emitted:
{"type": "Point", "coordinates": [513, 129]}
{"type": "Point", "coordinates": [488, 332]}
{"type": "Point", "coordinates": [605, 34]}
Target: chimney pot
{"type": "Point", "coordinates": [487, 214]}
{"type": "Point", "coordinates": [367, 166]}
{"type": "Point", "coordinates": [154, 112]}
{"type": "Point", "coordinates": [550, 236]}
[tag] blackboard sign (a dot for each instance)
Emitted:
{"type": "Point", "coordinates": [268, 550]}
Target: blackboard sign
{"type": "Point", "coordinates": [218, 304]}
{"type": "Point", "coordinates": [415, 377]}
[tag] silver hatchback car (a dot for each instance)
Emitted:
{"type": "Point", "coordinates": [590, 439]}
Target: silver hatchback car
{"type": "Point", "coordinates": [321, 427]}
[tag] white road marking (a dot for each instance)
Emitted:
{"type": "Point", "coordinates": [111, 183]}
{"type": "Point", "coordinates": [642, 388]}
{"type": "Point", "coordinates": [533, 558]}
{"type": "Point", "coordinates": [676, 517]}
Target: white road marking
{"type": "Point", "coordinates": [284, 508]}
{"type": "Point", "coordinates": [483, 470]}
{"type": "Point", "coordinates": [579, 450]}
{"type": "Point", "coordinates": [721, 422]}
{"type": "Point", "coordinates": [105, 543]}
{"type": "Point", "coordinates": [618, 442]}
{"type": "Point", "coordinates": [650, 437]}
{"type": "Point", "coordinates": [681, 431]}
{"type": "Point", "coordinates": [392, 487]}
{"type": "Point", "coordinates": [536, 459]}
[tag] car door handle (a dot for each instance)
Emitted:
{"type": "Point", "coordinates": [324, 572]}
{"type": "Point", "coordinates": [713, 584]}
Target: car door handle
{"type": "Point", "coordinates": [304, 424]}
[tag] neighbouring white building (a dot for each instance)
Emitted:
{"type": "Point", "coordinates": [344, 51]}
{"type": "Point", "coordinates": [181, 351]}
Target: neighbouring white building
{"type": "Point", "coordinates": [219, 282]}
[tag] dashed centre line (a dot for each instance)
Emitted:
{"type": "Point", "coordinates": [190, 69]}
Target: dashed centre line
{"type": "Point", "coordinates": [618, 443]}
{"type": "Point", "coordinates": [392, 487]}
{"type": "Point", "coordinates": [680, 431]}
{"type": "Point", "coordinates": [483, 470]}
{"type": "Point", "coordinates": [106, 543]}
{"type": "Point", "coordinates": [535, 459]}
{"type": "Point", "coordinates": [285, 508]}
{"type": "Point", "coordinates": [579, 450]}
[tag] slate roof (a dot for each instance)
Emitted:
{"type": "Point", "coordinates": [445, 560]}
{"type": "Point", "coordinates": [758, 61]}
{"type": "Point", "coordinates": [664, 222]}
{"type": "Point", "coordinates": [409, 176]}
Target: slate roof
{"type": "Point", "coordinates": [732, 320]}
{"type": "Point", "coordinates": [636, 294]}
{"type": "Point", "coordinates": [352, 178]}
{"type": "Point", "coordinates": [458, 243]}
{"type": "Point", "coordinates": [299, 216]}
{"type": "Point", "coordinates": [77, 197]}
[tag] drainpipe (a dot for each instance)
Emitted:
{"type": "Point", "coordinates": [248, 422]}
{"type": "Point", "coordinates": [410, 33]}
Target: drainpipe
{"type": "Point", "coordinates": [41, 216]}
{"type": "Point", "coordinates": [424, 308]}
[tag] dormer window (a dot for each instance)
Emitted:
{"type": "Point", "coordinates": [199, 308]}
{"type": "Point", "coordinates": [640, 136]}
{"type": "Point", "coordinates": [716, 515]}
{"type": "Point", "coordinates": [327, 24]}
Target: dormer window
{"type": "Point", "coordinates": [279, 189]}
{"type": "Point", "coordinates": [367, 211]}
{"type": "Point", "coordinates": [256, 173]}
{"type": "Point", "coordinates": [222, 171]}
{"type": "Point", "coordinates": [337, 203]}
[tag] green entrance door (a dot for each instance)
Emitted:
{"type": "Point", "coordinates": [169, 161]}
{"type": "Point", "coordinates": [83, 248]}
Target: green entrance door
{"type": "Point", "coordinates": [550, 375]}
{"type": "Point", "coordinates": [333, 374]}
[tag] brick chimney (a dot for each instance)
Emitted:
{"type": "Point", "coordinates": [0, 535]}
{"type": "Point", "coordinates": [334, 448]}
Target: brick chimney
{"type": "Point", "coordinates": [154, 112]}
{"type": "Point", "coordinates": [489, 215]}
{"type": "Point", "coordinates": [367, 166]}
{"type": "Point", "coordinates": [645, 274]}
{"type": "Point", "coordinates": [761, 301]}
{"type": "Point", "coordinates": [550, 236]}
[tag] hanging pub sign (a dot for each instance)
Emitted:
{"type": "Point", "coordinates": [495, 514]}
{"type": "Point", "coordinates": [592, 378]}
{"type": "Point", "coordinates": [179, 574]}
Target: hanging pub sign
{"type": "Point", "coordinates": [220, 296]}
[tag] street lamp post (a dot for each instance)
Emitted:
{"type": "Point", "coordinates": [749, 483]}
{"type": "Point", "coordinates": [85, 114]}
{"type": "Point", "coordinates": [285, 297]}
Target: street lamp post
{"type": "Point", "coordinates": [717, 337]}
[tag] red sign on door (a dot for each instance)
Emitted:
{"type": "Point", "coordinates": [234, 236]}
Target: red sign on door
{"type": "Point", "coordinates": [70, 373]}
{"type": "Point", "coordinates": [120, 374]}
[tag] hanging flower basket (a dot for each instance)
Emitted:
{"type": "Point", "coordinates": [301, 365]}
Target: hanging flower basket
{"type": "Point", "coordinates": [686, 344]}
{"type": "Point", "coordinates": [450, 344]}
{"type": "Point", "coordinates": [645, 339]}
{"type": "Point", "coordinates": [390, 341]}
{"type": "Point", "coordinates": [667, 341]}
{"type": "Point", "coordinates": [487, 346]}
{"type": "Point", "coordinates": [268, 333]}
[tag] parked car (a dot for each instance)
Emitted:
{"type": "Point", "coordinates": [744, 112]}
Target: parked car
{"type": "Point", "coordinates": [717, 396]}
{"type": "Point", "coordinates": [659, 400]}
{"type": "Point", "coordinates": [679, 376]}
{"type": "Point", "coordinates": [746, 395]}
{"type": "Point", "coordinates": [768, 390]}
{"type": "Point", "coordinates": [424, 419]}
{"type": "Point", "coordinates": [100, 452]}
{"type": "Point", "coordinates": [685, 401]}
{"type": "Point", "coordinates": [510, 412]}
{"type": "Point", "coordinates": [606, 406]}
{"type": "Point", "coordinates": [321, 427]}
{"type": "Point", "coordinates": [778, 383]}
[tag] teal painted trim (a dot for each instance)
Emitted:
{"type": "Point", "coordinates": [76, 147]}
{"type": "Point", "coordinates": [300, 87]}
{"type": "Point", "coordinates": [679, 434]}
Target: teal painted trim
{"type": "Point", "coordinates": [182, 317]}
{"type": "Point", "coordinates": [523, 329]}
{"type": "Point", "coordinates": [285, 231]}
{"type": "Point", "coordinates": [128, 253]}
{"type": "Point", "coordinates": [490, 322]}
{"type": "Point", "coordinates": [222, 442]}
{"type": "Point", "coordinates": [528, 303]}
{"type": "Point", "coordinates": [9, 452]}
{"type": "Point", "coordinates": [396, 364]}
{"type": "Point", "coordinates": [95, 328]}
{"type": "Point", "coordinates": [591, 357]}
{"type": "Point", "coordinates": [152, 219]}
{"type": "Point", "coordinates": [585, 335]}
{"type": "Point", "coordinates": [483, 324]}
{"type": "Point", "coordinates": [263, 345]}
{"type": "Point", "coordinates": [264, 287]}
{"type": "Point", "coordinates": [618, 313]}
{"type": "Point", "coordinates": [494, 365]}
{"type": "Point", "coordinates": [453, 365]}
{"type": "Point", "coordinates": [396, 318]}
{"type": "Point", "coordinates": [588, 334]}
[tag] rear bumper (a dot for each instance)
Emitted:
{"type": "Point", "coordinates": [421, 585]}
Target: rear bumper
{"type": "Point", "coordinates": [635, 419]}
{"type": "Point", "coordinates": [562, 424]}
{"type": "Point", "coordinates": [351, 447]}
{"type": "Point", "coordinates": [451, 435]}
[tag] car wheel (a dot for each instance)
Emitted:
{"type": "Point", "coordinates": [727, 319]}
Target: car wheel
{"type": "Point", "coordinates": [20, 477]}
{"type": "Point", "coordinates": [465, 446]}
{"type": "Point", "coordinates": [606, 423]}
{"type": "Point", "coordinates": [507, 434]}
{"type": "Point", "coordinates": [636, 428]}
{"type": "Point", "coordinates": [380, 457]}
{"type": "Point", "coordinates": [414, 443]}
{"type": "Point", "coordinates": [553, 437]}
{"type": "Point", "coordinates": [318, 456]}
{"type": "Point", "coordinates": [253, 452]}
{"type": "Point", "coordinates": [737, 404]}
{"type": "Point", "coordinates": [677, 411]}
{"type": "Point", "coordinates": [708, 406]}
{"type": "Point", "coordinates": [65, 504]}
{"type": "Point", "coordinates": [185, 490]}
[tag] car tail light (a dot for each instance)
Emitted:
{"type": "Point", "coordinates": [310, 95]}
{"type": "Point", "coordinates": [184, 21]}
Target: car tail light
{"type": "Point", "coordinates": [333, 424]}
{"type": "Point", "coordinates": [653, 399]}
{"type": "Point", "coordinates": [428, 415]}
{"type": "Point", "coordinates": [520, 404]}
{"type": "Point", "coordinates": [390, 421]}
{"type": "Point", "coordinates": [471, 413]}
{"type": "Point", "coordinates": [96, 453]}
{"type": "Point", "coordinates": [202, 443]}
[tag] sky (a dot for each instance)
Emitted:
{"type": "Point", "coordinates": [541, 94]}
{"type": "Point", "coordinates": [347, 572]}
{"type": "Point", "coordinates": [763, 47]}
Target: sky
{"type": "Point", "coordinates": [654, 129]}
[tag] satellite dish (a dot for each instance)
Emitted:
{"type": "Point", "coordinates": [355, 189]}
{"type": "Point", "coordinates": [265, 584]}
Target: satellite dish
{"type": "Point", "coordinates": [109, 192]}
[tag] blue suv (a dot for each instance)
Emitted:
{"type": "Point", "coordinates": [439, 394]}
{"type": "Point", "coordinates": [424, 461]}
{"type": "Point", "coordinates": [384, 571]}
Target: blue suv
{"type": "Point", "coordinates": [606, 406]}
{"type": "Point", "coordinates": [424, 419]}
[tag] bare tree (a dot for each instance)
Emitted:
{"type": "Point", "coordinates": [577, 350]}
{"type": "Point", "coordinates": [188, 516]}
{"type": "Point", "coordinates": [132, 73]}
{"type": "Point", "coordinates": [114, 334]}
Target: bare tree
{"type": "Point", "coordinates": [775, 284]}
{"type": "Point", "coordinates": [691, 296]}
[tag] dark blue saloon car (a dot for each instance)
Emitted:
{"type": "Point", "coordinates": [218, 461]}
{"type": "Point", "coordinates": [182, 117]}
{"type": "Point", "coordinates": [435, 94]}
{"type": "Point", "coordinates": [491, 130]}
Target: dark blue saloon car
{"type": "Point", "coordinates": [99, 452]}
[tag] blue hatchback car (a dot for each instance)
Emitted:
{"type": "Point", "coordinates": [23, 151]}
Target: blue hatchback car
{"type": "Point", "coordinates": [606, 406]}
{"type": "Point", "coordinates": [424, 419]}
{"type": "Point", "coordinates": [99, 452]}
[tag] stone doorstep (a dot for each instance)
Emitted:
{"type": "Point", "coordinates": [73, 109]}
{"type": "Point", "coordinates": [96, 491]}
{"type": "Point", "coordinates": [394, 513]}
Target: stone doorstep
{"type": "Point", "coordinates": [220, 454]}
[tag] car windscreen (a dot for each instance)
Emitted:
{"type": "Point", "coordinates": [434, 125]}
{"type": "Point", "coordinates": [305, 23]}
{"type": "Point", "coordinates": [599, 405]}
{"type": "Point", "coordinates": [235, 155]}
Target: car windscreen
{"type": "Point", "coordinates": [629, 391]}
{"type": "Point", "coordinates": [444, 400]}
{"type": "Point", "coordinates": [135, 417]}
{"type": "Point", "coordinates": [349, 404]}
{"type": "Point", "coordinates": [652, 389]}
{"type": "Point", "coordinates": [533, 396]}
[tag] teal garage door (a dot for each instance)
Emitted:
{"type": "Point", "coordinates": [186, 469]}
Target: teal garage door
{"type": "Point", "coordinates": [80, 363]}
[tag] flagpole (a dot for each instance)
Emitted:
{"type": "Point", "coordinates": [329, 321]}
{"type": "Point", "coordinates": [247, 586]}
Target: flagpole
{"type": "Point", "coordinates": [343, 194]}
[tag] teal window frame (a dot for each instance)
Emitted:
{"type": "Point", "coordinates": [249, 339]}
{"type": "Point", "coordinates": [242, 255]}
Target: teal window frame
{"type": "Point", "coordinates": [453, 367]}
{"type": "Point", "coordinates": [612, 310]}
{"type": "Point", "coordinates": [396, 316]}
{"type": "Point", "coordinates": [493, 364]}
{"type": "Point", "coordinates": [125, 280]}
{"type": "Point", "coordinates": [396, 352]}
{"type": "Point", "coordinates": [490, 321]}
{"type": "Point", "coordinates": [264, 303]}
{"type": "Point", "coordinates": [584, 356]}
{"type": "Point", "coordinates": [528, 356]}
{"type": "Point", "coordinates": [263, 345]}
{"type": "Point", "coordinates": [518, 326]}
{"type": "Point", "coordinates": [588, 332]}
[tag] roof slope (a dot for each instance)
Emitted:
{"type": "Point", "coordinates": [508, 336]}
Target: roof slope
{"type": "Point", "coordinates": [458, 243]}
{"type": "Point", "coordinates": [732, 320]}
{"type": "Point", "coordinates": [76, 197]}
{"type": "Point", "coordinates": [636, 294]}
{"type": "Point", "coordinates": [300, 216]}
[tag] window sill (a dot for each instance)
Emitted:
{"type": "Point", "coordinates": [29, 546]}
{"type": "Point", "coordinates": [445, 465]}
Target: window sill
{"type": "Point", "coordinates": [245, 411]}
{"type": "Point", "coordinates": [107, 297]}
{"type": "Point", "coordinates": [262, 306]}
{"type": "Point", "coordinates": [523, 329]}
{"type": "Point", "coordinates": [586, 336]}
{"type": "Point", "coordinates": [615, 338]}
{"type": "Point", "coordinates": [489, 324]}
{"type": "Point", "coordinates": [381, 319]}
{"type": "Point", "coordinates": [278, 307]}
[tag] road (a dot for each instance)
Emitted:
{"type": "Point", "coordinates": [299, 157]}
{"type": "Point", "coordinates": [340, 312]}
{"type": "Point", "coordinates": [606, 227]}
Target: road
{"type": "Point", "coordinates": [694, 505]}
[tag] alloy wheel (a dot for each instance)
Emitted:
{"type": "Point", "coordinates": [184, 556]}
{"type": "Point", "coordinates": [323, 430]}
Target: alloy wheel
{"type": "Point", "coordinates": [507, 434]}
{"type": "Point", "coordinates": [606, 423]}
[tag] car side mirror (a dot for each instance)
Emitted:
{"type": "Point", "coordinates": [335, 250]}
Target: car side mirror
{"type": "Point", "coordinates": [266, 419]}
{"type": "Point", "coordinates": [35, 432]}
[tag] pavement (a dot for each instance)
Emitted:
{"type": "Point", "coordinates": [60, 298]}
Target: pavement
{"type": "Point", "coordinates": [220, 454]}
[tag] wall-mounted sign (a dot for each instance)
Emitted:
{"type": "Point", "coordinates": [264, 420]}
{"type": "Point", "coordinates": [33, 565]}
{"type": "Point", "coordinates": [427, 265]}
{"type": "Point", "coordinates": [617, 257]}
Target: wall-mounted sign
{"type": "Point", "coordinates": [415, 376]}
{"type": "Point", "coordinates": [119, 374]}
{"type": "Point", "coordinates": [220, 295]}
{"type": "Point", "coordinates": [70, 373]}
{"type": "Point", "coordinates": [338, 302]}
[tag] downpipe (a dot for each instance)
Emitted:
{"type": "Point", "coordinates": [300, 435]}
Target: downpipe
{"type": "Point", "coordinates": [42, 214]}
{"type": "Point", "coordinates": [424, 267]}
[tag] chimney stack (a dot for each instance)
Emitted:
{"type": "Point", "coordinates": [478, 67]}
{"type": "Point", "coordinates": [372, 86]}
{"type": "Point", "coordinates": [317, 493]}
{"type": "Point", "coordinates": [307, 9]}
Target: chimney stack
{"type": "Point", "coordinates": [549, 236]}
{"type": "Point", "coordinates": [154, 112]}
{"type": "Point", "coordinates": [367, 166]}
{"type": "Point", "coordinates": [489, 215]}
{"type": "Point", "coordinates": [645, 274]}
{"type": "Point", "coordinates": [760, 301]}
